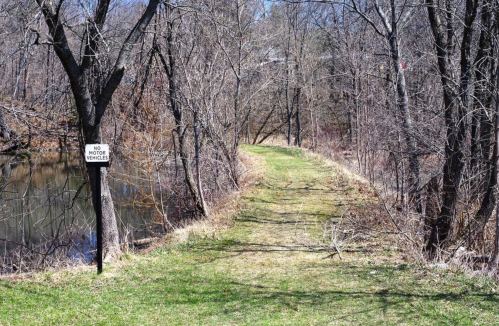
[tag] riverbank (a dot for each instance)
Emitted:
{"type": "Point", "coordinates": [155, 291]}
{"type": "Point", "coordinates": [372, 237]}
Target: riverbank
{"type": "Point", "coordinates": [270, 263]}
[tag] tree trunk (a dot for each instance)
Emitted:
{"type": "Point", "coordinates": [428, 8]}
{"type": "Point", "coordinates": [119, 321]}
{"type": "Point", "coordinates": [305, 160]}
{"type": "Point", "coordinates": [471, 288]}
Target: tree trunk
{"type": "Point", "coordinates": [405, 114]}
{"type": "Point", "coordinates": [5, 131]}
{"type": "Point", "coordinates": [170, 68]}
{"type": "Point", "coordinates": [289, 107]}
{"type": "Point", "coordinates": [186, 164]}
{"type": "Point", "coordinates": [484, 91]}
{"type": "Point", "coordinates": [481, 126]}
{"type": "Point", "coordinates": [110, 244]}
{"type": "Point", "coordinates": [432, 207]}
{"type": "Point", "coordinates": [455, 127]}
{"type": "Point", "coordinates": [204, 207]}
{"type": "Point", "coordinates": [297, 97]}
{"type": "Point", "coordinates": [495, 258]}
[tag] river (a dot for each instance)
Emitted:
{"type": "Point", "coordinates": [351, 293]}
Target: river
{"type": "Point", "coordinates": [45, 208]}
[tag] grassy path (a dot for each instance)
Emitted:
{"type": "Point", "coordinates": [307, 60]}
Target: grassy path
{"type": "Point", "coordinates": [269, 269]}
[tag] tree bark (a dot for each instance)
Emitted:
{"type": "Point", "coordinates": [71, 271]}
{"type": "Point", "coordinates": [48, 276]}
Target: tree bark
{"type": "Point", "coordinates": [9, 135]}
{"type": "Point", "coordinates": [5, 131]}
{"type": "Point", "coordinates": [197, 149]}
{"type": "Point", "coordinates": [403, 104]}
{"type": "Point", "coordinates": [289, 106]}
{"type": "Point", "coordinates": [298, 137]}
{"type": "Point", "coordinates": [432, 207]}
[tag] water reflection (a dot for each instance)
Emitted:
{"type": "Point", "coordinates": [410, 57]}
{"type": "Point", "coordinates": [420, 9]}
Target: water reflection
{"type": "Point", "coordinates": [45, 209]}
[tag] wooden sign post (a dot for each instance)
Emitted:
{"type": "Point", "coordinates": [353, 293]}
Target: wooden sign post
{"type": "Point", "coordinates": [97, 156]}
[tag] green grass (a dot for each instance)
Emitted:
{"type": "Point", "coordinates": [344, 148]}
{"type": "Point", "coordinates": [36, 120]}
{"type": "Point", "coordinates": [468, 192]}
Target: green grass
{"type": "Point", "coordinates": [269, 269]}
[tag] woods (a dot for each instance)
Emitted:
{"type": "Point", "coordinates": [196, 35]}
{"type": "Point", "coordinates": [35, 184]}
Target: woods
{"type": "Point", "coordinates": [404, 92]}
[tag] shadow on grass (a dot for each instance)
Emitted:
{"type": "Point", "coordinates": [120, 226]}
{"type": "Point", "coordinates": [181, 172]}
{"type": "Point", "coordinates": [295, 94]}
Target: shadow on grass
{"type": "Point", "coordinates": [255, 219]}
{"type": "Point", "coordinates": [233, 246]}
{"type": "Point", "coordinates": [273, 187]}
{"type": "Point", "coordinates": [268, 216]}
{"type": "Point", "coordinates": [195, 290]}
{"type": "Point", "coordinates": [220, 295]}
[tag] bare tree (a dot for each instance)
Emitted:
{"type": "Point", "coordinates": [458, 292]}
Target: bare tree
{"type": "Point", "coordinates": [484, 122]}
{"type": "Point", "coordinates": [170, 66]}
{"type": "Point", "coordinates": [389, 29]}
{"type": "Point", "coordinates": [441, 18]}
{"type": "Point", "coordinates": [91, 85]}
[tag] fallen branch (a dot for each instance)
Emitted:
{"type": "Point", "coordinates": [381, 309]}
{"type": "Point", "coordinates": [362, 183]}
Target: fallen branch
{"type": "Point", "coordinates": [11, 146]}
{"type": "Point", "coordinates": [141, 242]}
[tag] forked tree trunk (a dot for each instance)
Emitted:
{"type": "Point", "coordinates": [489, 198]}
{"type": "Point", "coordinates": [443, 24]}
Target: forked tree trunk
{"type": "Point", "coordinates": [91, 103]}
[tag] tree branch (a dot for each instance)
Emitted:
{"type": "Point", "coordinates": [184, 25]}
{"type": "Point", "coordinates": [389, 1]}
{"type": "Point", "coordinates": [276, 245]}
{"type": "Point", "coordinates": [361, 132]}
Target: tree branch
{"type": "Point", "coordinates": [123, 57]}
{"type": "Point", "coordinates": [58, 35]}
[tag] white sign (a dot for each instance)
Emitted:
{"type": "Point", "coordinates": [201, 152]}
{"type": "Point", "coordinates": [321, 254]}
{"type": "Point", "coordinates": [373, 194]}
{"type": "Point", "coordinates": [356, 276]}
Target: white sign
{"type": "Point", "coordinates": [97, 153]}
